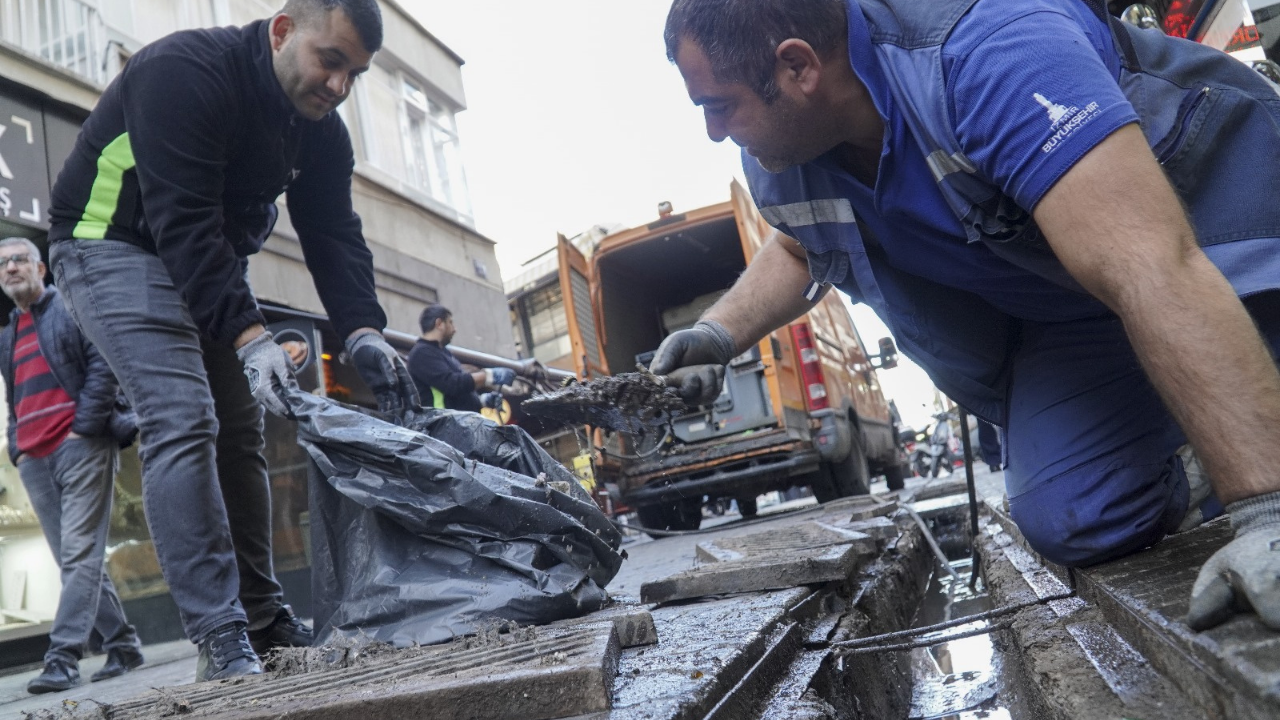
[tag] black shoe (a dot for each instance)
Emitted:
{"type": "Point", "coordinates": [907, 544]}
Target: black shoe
{"type": "Point", "coordinates": [58, 675]}
{"type": "Point", "coordinates": [994, 468]}
{"type": "Point", "coordinates": [119, 662]}
{"type": "Point", "coordinates": [226, 653]}
{"type": "Point", "coordinates": [285, 631]}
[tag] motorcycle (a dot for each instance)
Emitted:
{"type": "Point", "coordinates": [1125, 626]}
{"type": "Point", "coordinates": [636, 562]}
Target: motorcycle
{"type": "Point", "coordinates": [944, 447]}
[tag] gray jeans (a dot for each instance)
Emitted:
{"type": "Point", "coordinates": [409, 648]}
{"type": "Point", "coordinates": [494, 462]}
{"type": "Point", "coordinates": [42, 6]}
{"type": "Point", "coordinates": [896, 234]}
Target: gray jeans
{"type": "Point", "coordinates": [70, 490]}
{"type": "Point", "coordinates": [204, 479]}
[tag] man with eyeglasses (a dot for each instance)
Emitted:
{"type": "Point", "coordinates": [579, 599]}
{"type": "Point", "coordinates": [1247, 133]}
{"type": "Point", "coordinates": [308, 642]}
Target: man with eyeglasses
{"type": "Point", "coordinates": [171, 185]}
{"type": "Point", "coordinates": [64, 429]}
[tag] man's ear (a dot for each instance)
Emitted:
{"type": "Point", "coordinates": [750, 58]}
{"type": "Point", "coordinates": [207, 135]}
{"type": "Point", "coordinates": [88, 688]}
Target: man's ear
{"type": "Point", "coordinates": [798, 65]}
{"type": "Point", "coordinates": [281, 27]}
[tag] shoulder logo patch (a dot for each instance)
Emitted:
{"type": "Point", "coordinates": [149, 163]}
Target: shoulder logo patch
{"type": "Point", "coordinates": [1063, 119]}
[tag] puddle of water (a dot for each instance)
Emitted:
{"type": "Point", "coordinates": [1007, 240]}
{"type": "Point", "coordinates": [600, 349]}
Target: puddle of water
{"type": "Point", "coordinates": [959, 660]}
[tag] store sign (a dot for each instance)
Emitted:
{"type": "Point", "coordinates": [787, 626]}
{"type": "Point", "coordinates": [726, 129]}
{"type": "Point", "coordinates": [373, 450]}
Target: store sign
{"type": "Point", "coordinates": [24, 164]}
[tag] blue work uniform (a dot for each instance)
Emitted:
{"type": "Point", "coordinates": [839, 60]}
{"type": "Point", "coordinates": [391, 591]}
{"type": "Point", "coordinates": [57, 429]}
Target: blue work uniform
{"type": "Point", "coordinates": [986, 104]}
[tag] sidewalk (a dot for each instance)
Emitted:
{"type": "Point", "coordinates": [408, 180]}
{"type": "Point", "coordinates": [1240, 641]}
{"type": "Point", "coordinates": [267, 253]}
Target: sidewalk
{"type": "Point", "coordinates": [171, 663]}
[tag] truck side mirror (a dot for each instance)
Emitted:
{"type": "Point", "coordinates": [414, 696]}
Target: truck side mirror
{"type": "Point", "coordinates": [888, 354]}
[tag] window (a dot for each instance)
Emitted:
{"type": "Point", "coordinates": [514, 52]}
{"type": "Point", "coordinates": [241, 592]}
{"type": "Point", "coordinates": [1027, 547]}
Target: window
{"type": "Point", "coordinates": [431, 147]}
{"type": "Point", "coordinates": [548, 327]}
{"type": "Point", "coordinates": [399, 128]}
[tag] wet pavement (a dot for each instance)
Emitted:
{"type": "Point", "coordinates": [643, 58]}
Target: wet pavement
{"type": "Point", "coordinates": [709, 661]}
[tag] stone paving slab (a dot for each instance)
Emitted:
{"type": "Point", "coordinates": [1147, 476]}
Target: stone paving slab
{"type": "Point", "coordinates": [705, 649]}
{"type": "Point", "coordinates": [800, 538]}
{"type": "Point", "coordinates": [1231, 671]}
{"type": "Point", "coordinates": [945, 505]}
{"type": "Point", "coordinates": [533, 673]}
{"type": "Point", "coordinates": [763, 572]}
{"type": "Point", "coordinates": [1081, 667]}
{"type": "Point", "coordinates": [632, 621]}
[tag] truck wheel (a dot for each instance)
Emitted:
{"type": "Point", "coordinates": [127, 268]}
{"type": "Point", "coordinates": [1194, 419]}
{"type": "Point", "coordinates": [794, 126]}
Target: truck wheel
{"type": "Point", "coordinates": [851, 476]}
{"type": "Point", "coordinates": [747, 507]}
{"type": "Point", "coordinates": [893, 477]}
{"type": "Point", "coordinates": [682, 514]}
{"type": "Point", "coordinates": [819, 481]}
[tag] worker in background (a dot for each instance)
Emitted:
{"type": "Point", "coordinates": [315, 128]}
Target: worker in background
{"type": "Point", "coordinates": [441, 381]}
{"type": "Point", "coordinates": [65, 430]}
{"type": "Point", "coordinates": [171, 185]}
{"type": "Point", "coordinates": [1056, 215]}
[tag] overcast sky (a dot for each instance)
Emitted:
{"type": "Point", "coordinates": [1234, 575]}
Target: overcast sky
{"type": "Point", "coordinates": [575, 118]}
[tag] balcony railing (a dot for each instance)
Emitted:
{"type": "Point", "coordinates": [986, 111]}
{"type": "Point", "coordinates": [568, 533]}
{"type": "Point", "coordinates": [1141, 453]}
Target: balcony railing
{"type": "Point", "coordinates": [66, 33]}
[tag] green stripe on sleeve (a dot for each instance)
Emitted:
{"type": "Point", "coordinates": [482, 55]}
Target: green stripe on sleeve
{"type": "Point", "coordinates": [116, 159]}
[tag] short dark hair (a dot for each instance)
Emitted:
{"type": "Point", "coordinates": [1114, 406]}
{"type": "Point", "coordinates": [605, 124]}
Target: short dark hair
{"type": "Point", "coordinates": [431, 314]}
{"type": "Point", "coordinates": [363, 14]}
{"type": "Point", "coordinates": [741, 37]}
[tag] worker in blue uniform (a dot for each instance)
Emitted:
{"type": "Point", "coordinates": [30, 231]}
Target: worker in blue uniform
{"type": "Point", "coordinates": [1068, 222]}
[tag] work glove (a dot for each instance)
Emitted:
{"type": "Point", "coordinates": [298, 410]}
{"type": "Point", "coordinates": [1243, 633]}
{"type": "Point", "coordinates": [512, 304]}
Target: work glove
{"type": "Point", "coordinates": [693, 361]}
{"type": "Point", "coordinates": [497, 377]}
{"type": "Point", "coordinates": [270, 373]}
{"type": "Point", "coordinates": [491, 400]}
{"type": "Point", "coordinates": [384, 372]}
{"type": "Point", "coordinates": [1245, 573]}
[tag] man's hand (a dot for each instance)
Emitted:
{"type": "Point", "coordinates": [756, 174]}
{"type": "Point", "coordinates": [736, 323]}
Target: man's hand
{"type": "Point", "coordinates": [491, 400]}
{"type": "Point", "coordinates": [497, 377]}
{"type": "Point", "coordinates": [1245, 574]}
{"type": "Point", "coordinates": [270, 373]}
{"type": "Point", "coordinates": [705, 344]}
{"type": "Point", "coordinates": [383, 371]}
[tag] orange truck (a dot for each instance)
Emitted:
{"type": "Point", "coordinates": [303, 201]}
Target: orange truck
{"type": "Point", "coordinates": [802, 408]}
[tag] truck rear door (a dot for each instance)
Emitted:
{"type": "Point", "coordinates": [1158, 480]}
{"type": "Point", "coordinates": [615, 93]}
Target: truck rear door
{"type": "Point", "coordinates": [576, 286]}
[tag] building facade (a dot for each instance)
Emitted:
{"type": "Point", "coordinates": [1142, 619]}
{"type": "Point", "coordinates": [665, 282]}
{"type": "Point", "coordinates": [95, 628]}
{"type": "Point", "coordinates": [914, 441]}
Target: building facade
{"type": "Point", "coordinates": [410, 189]}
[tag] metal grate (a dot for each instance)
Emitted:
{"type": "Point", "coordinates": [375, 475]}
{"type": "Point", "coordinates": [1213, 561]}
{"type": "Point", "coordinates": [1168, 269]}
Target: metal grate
{"type": "Point", "coordinates": [534, 663]}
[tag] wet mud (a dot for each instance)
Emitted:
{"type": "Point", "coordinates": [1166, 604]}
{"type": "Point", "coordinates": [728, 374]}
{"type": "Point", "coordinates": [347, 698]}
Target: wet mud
{"type": "Point", "coordinates": [631, 403]}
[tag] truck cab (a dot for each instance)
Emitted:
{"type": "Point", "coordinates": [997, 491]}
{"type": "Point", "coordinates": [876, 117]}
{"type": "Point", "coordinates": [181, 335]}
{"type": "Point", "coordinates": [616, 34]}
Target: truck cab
{"type": "Point", "coordinates": [804, 407]}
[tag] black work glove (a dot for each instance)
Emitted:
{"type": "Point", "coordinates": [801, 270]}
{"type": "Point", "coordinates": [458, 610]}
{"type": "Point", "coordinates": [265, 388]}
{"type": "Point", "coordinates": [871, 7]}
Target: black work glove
{"type": "Point", "coordinates": [1245, 573]}
{"type": "Point", "coordinates": [384, 371]}
{"type": "Point", "coordinates": [491, 400]}
{"type": "Point", "coordinates": [693, 360]}
{"type": "Point", "coordinates": [270, 373]}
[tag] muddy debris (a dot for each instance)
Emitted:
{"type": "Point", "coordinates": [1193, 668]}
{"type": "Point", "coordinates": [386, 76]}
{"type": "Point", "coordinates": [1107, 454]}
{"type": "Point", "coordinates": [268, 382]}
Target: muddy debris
{"type": "Point", "coordinates": [629, 402]}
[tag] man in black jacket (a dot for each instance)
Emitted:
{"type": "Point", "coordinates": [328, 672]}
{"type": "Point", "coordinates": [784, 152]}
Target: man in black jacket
{"type": "Point", "coordinates": [438, 374]}
{"type": "Point", "coordinates": [170, 187]}
{"type": "Point", "coordinates": [64, 429]}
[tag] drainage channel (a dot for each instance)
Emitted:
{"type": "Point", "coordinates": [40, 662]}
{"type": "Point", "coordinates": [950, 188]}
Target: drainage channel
{"type": "Point", "coordinates": [970, 677]}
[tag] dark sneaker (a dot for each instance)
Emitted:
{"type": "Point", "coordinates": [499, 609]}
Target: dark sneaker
{"type": "Point", "coordinates": [285, 631]}
{"type": "Point", "coordinates": [226, 653]}
{"type": "Point", "coordinates": [58, 675]}
{"type": "Point", "coordinates": [119, 662]}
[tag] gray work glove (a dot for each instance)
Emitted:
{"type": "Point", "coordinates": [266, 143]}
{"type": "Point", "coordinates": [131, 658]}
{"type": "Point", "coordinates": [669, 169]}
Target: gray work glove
{"type": "Point", "coordinates": [1245, 573]}
{"type": "Point", "coordinates": [270, 373]}
{"type": "Point", "coordinates": [693, 361]}
{"type": "Point", "coordinates": [384, 371]}
{"type": "Point", "coordinates": [491, 400]}
{"type": "Point", "coordinates": [497, 377]}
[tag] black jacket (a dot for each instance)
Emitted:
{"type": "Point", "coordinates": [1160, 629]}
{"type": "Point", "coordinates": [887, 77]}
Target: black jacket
{"type": "Point", "coordinates": [434, 367]}
{"type": "Point", "coordinates": [185, 155]}
{"type": "Point", "coordinates": [78, 368]}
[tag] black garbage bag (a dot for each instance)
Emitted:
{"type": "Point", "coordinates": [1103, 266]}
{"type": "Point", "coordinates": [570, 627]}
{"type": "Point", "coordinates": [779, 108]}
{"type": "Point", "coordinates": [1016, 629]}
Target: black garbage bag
{"type": "Point", "coordinates": [428, 530]}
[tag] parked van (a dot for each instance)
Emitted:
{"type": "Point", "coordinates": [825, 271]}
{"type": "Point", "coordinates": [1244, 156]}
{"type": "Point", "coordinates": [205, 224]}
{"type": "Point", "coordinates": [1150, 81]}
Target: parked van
{"type": "Point", "coordinates": [802, 408]}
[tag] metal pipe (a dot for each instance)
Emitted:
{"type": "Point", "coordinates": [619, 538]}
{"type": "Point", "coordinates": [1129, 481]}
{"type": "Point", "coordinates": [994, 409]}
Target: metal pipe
{"type": "Point", "coordinates": [973, 494]}
{"type": "Point", "coordinates": [529, 368]}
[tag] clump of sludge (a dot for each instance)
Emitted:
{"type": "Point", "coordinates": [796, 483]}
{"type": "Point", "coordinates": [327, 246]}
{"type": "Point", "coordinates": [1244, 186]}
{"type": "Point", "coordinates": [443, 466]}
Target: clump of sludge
{"type": "Point", "coordinates": [627, 402]}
